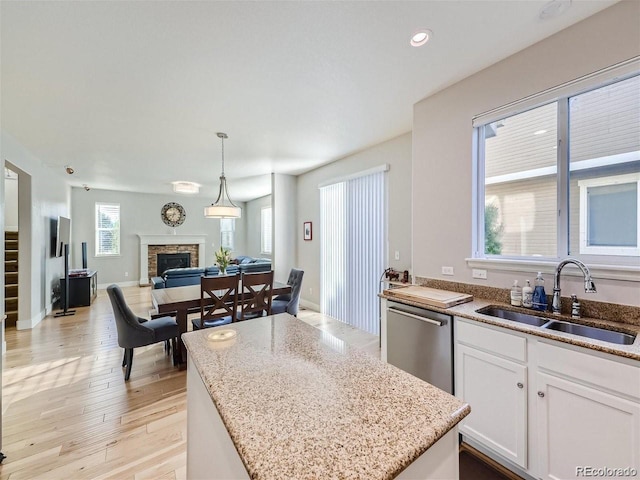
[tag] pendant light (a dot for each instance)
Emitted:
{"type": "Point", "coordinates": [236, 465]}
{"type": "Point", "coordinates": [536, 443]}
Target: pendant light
{"type": "Point", "coordinates": [223, 207]}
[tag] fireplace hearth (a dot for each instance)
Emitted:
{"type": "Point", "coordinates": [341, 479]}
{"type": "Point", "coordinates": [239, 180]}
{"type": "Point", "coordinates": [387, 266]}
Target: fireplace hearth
{"type": "Point", "coordinates": [166, 261]}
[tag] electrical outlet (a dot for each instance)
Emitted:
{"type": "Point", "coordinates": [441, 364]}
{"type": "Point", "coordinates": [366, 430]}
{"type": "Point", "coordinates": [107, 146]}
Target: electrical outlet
{"type": "Point", "coordinates": [397, 256]}
{"type": "Point", "coordinates": [478, 273]}
{"type": "Point", "coordinates": [126, 274]}
{"type": "Point", "coordinates": [447, 270]}
{"type": "Point", "coordinates": [310, 291]}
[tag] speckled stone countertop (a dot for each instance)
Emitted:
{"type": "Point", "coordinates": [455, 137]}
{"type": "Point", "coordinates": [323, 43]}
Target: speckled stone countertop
{"type": "Point", "coordinates": [468, 310]}
{"type": "Point", "coordinates": [300, 404]}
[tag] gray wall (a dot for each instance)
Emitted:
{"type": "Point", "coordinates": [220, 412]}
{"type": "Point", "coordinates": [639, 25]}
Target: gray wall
{"type": "Point", "coordinates": [396, 153]}
{"type": "Point", "coordinates": [285, 228]}
{"type": "Point", "coordinates": [139, 214]}
{"type": "Point", "coordinates": [442, 141]}
{"type": "Point", "coordinates": [253, 219]}
{"type": "Point", "coordinates": [43, 194]}
{"type": "Point", "coordinates": [10, 204]}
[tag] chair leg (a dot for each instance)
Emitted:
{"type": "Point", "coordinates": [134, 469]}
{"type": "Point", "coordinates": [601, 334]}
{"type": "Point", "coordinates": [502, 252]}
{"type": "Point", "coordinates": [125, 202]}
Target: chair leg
{"type": "Point", "coordinates": [175, 350]}
{"type": "Point", "coordinates": [167, 347]}
{"type": "Point", "coordinates": [129, 353]}
{"type": "Point", "coordinates": [124, 358]}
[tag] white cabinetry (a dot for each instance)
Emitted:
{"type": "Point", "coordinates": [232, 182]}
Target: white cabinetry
{"type": "Point", "coordinates": [496, 388]}
{"type": "Point", "coordinates": [588, 413]}
{"type": "Point", "coordinates": [577, 408]}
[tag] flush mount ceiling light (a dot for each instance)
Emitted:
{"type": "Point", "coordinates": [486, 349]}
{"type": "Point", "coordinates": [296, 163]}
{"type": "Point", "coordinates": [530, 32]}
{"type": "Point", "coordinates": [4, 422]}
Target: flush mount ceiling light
{"type": "Point", "coordinates": [554, 8]}
{"type": "Point", "coordinates": [223, 207]}
{"type": "Point", "coordinates": [186, 187]}
{"type": "Point", "coordinates": [420, 37]}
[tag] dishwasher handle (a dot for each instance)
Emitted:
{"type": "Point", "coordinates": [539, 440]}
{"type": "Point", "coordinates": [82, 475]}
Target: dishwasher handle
{"type": "Point", "coordinates": [417, 317]}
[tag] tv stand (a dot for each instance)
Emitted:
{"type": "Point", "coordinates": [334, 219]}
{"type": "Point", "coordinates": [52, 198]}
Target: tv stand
{"type": "Point", "coordinates": [83, 288]}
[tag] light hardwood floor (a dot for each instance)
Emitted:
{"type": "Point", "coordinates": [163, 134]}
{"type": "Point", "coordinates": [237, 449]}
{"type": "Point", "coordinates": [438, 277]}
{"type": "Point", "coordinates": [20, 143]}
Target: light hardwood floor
{"type": "Point", "coordinates": [68, 413]}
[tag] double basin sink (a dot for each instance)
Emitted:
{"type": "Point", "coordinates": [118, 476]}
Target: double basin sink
{"type": "Point", "coordinates": [594, 333]}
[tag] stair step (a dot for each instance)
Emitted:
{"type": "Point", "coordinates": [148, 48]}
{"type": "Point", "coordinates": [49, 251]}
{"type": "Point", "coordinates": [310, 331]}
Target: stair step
{"type": "Point", "coordinates": [10, 255]}
{"type": "Point", "coordinates": [10, 290]}
{"type": "Point", "coordinates": [10, 265]}
{"type": "Point", "coordinates": [12, 318]}
{"type": "Point", "coordinates": [10, 235]}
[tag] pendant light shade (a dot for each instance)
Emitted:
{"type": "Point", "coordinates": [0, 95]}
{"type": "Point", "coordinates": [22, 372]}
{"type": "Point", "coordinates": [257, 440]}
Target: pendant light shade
{"type": "Point", "coordinates": [223, 207]}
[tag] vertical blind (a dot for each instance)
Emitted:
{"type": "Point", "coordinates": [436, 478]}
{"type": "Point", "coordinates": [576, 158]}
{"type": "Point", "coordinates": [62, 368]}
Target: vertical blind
{"type": "Point", "coordinates": [352, 236]}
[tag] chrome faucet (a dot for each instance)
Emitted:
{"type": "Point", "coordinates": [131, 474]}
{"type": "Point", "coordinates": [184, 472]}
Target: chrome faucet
{"type": "Point", "coordinates": [589, 286]}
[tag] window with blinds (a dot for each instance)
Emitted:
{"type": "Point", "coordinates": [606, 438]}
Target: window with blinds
{"type": "Point", "coordinates": [265, 231]}
{"type": "Point", "coordinates": [107, 229]}
{"type": "Point", "coordinates": [352, 239]}
{"type": "Point", "coordinates": [227, 233]}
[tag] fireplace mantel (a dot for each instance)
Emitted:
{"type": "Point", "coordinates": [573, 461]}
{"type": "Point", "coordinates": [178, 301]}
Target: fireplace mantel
{"type": "Point", "coordinates": [146, 240]}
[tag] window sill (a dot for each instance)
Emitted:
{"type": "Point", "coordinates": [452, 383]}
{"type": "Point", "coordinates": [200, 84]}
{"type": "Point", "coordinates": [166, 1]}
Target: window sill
{"type": "Point", "coordinates": [627, 273]}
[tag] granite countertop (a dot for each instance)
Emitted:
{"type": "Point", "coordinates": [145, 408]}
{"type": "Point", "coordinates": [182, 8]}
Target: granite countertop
{"type": "Point", "coordinates": [299, 403]}
{"type": "Point", "coordinates": [468, 310]}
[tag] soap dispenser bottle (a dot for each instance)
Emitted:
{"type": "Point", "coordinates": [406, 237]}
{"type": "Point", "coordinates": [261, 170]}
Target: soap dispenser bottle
{"type": "Point", "coordinates": [516, 294]}
{"type": "Point", "coordinates": [527, 295]}
{"type": "Point", "coordinates": [539, 295]}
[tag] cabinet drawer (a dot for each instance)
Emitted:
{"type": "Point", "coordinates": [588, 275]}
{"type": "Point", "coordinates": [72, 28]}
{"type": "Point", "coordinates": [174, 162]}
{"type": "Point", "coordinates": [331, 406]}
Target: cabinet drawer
{"type": "Point", "coordinates": [598, 371]}
{"type": "Point", "coordinates": [490, 340]}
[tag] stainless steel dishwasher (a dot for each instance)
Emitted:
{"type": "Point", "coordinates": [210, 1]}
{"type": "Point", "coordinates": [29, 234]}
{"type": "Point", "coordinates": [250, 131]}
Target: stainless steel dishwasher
{"type": "Point", "coordinates": [420, 342]}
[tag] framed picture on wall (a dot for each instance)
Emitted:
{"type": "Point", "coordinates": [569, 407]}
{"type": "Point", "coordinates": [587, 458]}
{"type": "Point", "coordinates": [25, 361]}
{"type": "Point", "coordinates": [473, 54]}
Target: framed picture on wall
{"type": "Point", "coordinates": [307, 231]}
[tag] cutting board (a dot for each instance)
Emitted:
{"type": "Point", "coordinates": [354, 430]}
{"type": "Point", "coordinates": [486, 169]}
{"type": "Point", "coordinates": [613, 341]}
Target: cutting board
{"type": "Point", "coordinates": [429, 296]}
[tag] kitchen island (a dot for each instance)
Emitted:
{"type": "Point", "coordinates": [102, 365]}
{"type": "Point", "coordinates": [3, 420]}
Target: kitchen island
{"type": "Point", "coordinates": [275, 398]}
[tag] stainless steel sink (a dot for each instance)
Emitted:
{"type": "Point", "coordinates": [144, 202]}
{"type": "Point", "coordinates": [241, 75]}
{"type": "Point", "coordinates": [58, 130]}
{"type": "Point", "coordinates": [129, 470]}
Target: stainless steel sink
{"type": "Point", "coordinates": [591, 332]}
{"type": "Point", "coordinates": [513, 316]}
{"type": "Point", "coordinates": [594, 333]}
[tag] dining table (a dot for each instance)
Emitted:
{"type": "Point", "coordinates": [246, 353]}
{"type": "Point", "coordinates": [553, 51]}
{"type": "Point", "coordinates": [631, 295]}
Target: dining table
{"type": "Point", "coordinates": [180, 301]}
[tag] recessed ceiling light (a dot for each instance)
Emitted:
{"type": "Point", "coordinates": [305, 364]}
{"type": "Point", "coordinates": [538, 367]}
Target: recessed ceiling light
{"type": "Point", "coordinates": [539, 132]}
{"type": "Point", "coordinates": [554, 8]}
{"type": "Point", "coordinates": [420, 37]}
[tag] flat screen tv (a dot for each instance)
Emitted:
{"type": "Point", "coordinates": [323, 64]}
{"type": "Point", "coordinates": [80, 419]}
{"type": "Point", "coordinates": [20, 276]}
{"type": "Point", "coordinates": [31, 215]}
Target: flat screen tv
{"type": "Point", "coordinates": [63, 235]}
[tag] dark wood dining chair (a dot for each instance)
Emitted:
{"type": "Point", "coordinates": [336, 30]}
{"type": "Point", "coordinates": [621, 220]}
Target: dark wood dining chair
{"type": "Point", "coordinates": [256, 296]}
{"type": "Point", "coordinates": [218, 301]}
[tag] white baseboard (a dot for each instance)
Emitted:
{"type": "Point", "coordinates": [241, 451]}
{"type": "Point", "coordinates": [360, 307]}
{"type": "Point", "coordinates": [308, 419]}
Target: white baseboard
{"type": "Point", "coordinates": [31, 322]}
{"type": "Point", "coordinates": [309, 305]}
{"type": "Point", "coordinates": [103, 286]}
{"type": "Point", "coordinates": [4, 347]}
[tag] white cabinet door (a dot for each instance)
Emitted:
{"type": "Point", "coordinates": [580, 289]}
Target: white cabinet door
{"type": "Point", "coordinates": [581, 427]}
{"type": "Point", "coordinates": [496, 389]}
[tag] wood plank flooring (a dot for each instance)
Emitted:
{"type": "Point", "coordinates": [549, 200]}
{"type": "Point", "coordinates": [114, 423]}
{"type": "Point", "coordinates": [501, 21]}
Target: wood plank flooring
{"type": "Point", "coordinates": [68, 413]}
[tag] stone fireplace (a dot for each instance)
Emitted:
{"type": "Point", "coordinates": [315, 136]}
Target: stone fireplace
{"type": "Point", "coordinates": [165, 261]}
{"type": "Point", "coordinates": [152, 245]}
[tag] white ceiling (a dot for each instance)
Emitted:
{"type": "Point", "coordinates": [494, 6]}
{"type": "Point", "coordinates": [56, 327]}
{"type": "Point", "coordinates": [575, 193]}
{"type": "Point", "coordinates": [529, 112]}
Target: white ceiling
{"type": "Point", "coordinates": [131, 93]}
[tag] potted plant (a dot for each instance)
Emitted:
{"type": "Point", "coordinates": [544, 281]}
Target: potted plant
{"type": "Point", "coordinates": [223, 259]}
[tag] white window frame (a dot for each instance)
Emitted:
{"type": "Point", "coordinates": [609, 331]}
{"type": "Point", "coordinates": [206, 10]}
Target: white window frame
{"type": "Point", "coordinates": [266, 237]}
{"type": "Point", "coordinates": [232, 243]}
{"type": "Point", "coordinates": [584, 214]}
{"type": "Point", "coordinates": [604, 266]}
{"type": "Point", "coordinates": [98, 230]}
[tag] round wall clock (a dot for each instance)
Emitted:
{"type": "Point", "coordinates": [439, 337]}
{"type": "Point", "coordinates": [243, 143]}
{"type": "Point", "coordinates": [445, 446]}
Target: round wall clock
{"type": "Point", "coordinates": [173, 214]}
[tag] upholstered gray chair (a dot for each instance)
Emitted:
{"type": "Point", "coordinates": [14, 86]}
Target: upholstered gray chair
{"type": "Point", "coordinates": [134, 331]}
{"type": "Point", "coordinates": [289, 302]}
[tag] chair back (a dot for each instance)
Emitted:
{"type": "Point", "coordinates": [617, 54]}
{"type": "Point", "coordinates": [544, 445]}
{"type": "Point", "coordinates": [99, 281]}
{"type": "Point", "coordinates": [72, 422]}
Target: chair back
{"type": "Point", "coordinates": [295, 280]}
{"type": "Point", "coordinates": [257, 293]}
{"type": "Point", "coordinates": [131, 330]}
{"type": "Point", "coordinates": [218, 297]}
